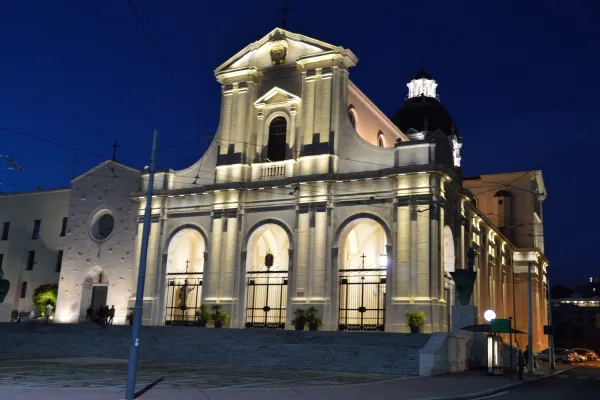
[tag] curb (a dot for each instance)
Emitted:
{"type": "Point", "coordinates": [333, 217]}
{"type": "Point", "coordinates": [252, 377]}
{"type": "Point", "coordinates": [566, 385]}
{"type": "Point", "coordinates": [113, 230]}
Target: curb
{"type": "Point", "coordinates": [493, 391]}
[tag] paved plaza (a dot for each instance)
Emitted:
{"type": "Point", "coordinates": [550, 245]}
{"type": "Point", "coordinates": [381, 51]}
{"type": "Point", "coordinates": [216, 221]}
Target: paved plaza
{"type": "Point", "coordinates": [95, 378]}
{"type": "Point", "coordinates": [107, 373]}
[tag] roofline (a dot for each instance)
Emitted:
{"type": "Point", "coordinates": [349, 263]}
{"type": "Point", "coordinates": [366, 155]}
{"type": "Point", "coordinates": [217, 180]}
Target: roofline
{"type": "Point", "coordinates": [392, 126]}
{"type": "Point", "coordinates": [37, 191]}
{"type": "Point", "coordinates": [106, 162]}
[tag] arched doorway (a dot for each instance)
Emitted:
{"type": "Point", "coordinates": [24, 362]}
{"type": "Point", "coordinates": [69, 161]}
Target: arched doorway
{"type": "Point", "coordinates": [185, 267]}
{"type": "Point", "coordinates": [267, 267]}
{"type": "Point", "coordinates": [94, 292]}
{"type": "Point", "coordinates": [362, 276]}
{"type": "Point", "coordinates": [449, 266]}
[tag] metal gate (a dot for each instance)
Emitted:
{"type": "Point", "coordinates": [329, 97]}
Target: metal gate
{"type": "Point", "coordinates": [266, 301]}
{"type": "Point", "coordinates": [362, 299]}
{"type": "Point", "coordinates": [184, 294]}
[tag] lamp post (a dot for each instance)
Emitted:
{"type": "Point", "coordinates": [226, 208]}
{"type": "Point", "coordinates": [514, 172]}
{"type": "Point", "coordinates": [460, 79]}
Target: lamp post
{"type": "Point", "coordinates": [489, 315]}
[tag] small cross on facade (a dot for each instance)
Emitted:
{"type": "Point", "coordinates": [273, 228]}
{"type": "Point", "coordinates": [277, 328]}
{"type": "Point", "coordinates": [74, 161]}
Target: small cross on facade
{"type": "Point", "coordinates": [187, 264]}
{"type": "Point", "coordinates": [114, 146]}
{"type": "Point", "coordinates": [363, 261]}
{"type": "Point", "coordinates": [284, 11]}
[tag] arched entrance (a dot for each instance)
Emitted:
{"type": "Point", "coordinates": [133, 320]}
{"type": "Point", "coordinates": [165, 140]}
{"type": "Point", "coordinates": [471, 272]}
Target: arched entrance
{"type": "Point", "coordinates": [449, 266]}
{"type": "Point", "coordinates": [362, 276]}
{"type": "Point", "coordinates": [267, 265]}
{"type": "Point", "coordinates": [185, 267]}
{"type": "Point", "coordinates": [94, 292]}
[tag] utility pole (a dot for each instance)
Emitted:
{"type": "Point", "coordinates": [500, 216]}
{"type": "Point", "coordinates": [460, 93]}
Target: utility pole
{"type": "Point", "coordinates": [139, 295]}
{"type": "Point", "coordinates": [550, 327]}
{"type": "Point", "coordinates": [530, 328]}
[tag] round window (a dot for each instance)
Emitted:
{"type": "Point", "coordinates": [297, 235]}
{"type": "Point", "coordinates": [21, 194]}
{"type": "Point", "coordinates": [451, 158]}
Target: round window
{"type": "Point", "coordinates": [500, 202]}
{"type": "Point", "coordinates": [103, 225]}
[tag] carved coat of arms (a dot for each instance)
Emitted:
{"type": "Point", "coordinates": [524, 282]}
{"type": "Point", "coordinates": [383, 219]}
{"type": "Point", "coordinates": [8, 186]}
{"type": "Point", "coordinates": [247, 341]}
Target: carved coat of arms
{"type": "Point", "coordinates": [278, 51]}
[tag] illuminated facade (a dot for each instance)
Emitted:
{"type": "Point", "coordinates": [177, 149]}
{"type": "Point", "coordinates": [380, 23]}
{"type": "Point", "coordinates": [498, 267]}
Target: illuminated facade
{"type": "Point", "coordinates": [308, 196]}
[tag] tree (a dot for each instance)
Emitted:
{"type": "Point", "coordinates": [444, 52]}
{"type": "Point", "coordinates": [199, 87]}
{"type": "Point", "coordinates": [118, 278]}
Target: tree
{"type": "Point", "coordinates": [43, 295]}
{"type": "Point", "coordinates": [560, 292]}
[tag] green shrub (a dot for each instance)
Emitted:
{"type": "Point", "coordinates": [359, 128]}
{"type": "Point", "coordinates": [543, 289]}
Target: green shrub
{"type": "Point", "coordinates": [43, 295]}
{"type": "Point", "coordinates": [415, 319]}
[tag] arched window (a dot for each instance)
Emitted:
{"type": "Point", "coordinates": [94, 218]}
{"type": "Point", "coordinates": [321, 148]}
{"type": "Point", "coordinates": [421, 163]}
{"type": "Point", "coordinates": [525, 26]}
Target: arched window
{"type": "Point", "coordinates": [380, 139]}
{"type": "Point", "coordinates": [352, 116]}
{"type": "Point", "coordinates": [277, 133]}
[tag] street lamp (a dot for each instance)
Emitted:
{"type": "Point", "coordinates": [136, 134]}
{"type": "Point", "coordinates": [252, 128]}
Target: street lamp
{"type": "Point", "coordinates": [489, 315]}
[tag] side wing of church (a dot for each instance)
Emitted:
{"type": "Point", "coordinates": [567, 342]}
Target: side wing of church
{"type": "Point", "coordinates": [308, 196]}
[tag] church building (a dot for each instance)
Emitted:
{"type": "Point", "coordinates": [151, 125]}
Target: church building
{"type": "Point", "coordinates": [308, 196]}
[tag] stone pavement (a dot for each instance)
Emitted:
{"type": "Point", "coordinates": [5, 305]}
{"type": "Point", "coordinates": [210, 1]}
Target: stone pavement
{"type": "Point", "coordinates": [97, 378]}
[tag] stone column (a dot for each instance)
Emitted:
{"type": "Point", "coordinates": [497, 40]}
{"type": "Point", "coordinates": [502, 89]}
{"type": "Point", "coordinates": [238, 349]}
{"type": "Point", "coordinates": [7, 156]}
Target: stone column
{"type": "Point", "coordinates": [228, 258]}
{"type": "Point", "coordinates": [300, 293]}
{"type": "Point", "coordinates": [319, 249]}
{"type": "Point", "coordinates": [226, 111]}
{"type": "Point", "coordinates": [212, 273]}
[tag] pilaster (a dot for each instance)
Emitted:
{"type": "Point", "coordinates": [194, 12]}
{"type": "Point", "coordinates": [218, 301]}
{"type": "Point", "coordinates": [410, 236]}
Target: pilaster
{"type": "Point", "coordinates": [212, 273]}
{"type": "Point", "coordinates": [302, 255]}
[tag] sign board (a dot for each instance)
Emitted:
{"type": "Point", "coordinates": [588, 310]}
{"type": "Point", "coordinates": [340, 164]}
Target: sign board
{"type": "Point", "coordinates": [499, 325]}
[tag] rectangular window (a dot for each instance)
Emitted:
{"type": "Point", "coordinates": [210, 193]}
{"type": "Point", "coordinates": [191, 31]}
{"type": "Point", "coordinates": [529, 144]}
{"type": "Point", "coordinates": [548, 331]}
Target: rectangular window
{"type": "Point", "coordinates": [476, 238]}
{"type": "Point", "coordinates": [59, 261]}
{"type": "Point", "coordinates": [1, 259]}
{"type": "Point", "coordinates": [23, 290]}
{"type": "Point", "coordinates": [63, 230]}
{"type": "Point", "coordinates": [492, 251]}
{"type": "Point", "coordinates": [36, 229]}
{"type": "Point", "coordinates": [5, 230]}
{"type": "Point", "coordinates": [31, 260]}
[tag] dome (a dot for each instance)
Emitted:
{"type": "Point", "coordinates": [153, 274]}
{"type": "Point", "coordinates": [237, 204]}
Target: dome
{"type": "Point", "coordinates": [422, 110]}
{"type": "Point", "coordinates": [423, 114]}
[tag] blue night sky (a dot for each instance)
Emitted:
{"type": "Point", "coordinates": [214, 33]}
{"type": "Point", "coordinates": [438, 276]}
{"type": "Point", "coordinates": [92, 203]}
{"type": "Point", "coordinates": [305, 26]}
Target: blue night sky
{"type": "Point", "coordinates": [520, 79]}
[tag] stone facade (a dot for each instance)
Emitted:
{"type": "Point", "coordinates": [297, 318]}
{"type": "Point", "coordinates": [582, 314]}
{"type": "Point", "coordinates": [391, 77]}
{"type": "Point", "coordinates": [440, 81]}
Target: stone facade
{"type": "Point", "coordinates": [306, 168]}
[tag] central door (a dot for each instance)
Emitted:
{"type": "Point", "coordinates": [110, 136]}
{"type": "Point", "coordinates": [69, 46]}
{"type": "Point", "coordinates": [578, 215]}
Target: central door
{"type": "Point", "coordinates": [267, 277]}
{"type": "Point", "coordinates": [99, 295]}
{"type": "Point", "coordinates": [267, 299]}
{"type": "Point", "coordinates": [362, 299]}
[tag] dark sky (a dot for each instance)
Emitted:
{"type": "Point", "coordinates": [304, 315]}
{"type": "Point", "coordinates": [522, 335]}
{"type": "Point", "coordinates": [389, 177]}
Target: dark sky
{"type": "Point", "coordinates": [520, 78]}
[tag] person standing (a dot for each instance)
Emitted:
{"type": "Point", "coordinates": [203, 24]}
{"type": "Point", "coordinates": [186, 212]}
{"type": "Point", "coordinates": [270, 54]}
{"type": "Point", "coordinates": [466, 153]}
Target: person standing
{"type": "Point", "coordinates": [89, 314]}
{"type": "Point", "coordinates": [520, 363]}
{"type": "Point", "coordinates": [111, 315]}
{"type": "Point", "coordinates": [49, 309]}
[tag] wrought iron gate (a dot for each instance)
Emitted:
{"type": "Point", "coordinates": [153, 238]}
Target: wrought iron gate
{"type": "Point", "coordinates": [362, 299]}
{"type": "Point", "coordinates": [266, 301]}
{"type": "Point", "coordinates": [184, 294]}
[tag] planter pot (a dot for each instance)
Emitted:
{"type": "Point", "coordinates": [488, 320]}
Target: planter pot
{"type": "Point", "coordinates": [218, 324]}
{"type": "Point", "coordinates": [415, 329]}
{"type": "Point", "coordinates": [299, 327]}
{"type": "Point", "coordinates": [312, 327]}
{"type": "Point", "coordinates": [201, 323]}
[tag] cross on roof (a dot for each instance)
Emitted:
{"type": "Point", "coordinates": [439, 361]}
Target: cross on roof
{"type": "Point", "coordinates": [284, 11]}
{"type": "Point", "coordinates": [114, 146]}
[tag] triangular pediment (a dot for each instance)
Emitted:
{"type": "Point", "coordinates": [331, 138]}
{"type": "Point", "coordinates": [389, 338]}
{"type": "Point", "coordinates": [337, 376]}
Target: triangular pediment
{"type": "Point", "coordinates": [277, 96]}
{"type": "Point", "coordinates": [106, 164]}
{"type": "Point", "coordinates": [293, 45]}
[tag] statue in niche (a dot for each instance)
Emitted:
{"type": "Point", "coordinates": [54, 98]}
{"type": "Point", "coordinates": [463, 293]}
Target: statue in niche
{"type": "Point", "coordinates": [465, 279]}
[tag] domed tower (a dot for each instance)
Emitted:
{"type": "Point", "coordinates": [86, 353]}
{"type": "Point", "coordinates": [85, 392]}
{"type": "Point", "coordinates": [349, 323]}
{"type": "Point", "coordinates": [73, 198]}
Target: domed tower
{"type": "Point", "coordinates": [422, 116]}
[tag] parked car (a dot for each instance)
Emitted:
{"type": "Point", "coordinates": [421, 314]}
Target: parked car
{"type": "Point", "coordinates": [561, 356]}
{"type": "Point", "coordinates": [576, 357]}
{"type": "Point", "coordinates": [589, 354]}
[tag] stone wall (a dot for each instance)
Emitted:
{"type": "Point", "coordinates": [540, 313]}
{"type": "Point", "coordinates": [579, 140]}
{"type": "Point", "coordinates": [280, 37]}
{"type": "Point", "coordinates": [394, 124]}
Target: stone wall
{"type": "Point", "coordinates": [391, 353]}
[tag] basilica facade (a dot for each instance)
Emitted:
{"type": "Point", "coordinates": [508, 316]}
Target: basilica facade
{"type": "Point", "coordinates": [308, 196]}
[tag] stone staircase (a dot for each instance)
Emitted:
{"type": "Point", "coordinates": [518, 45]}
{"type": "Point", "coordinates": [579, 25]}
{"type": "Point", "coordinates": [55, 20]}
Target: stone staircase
{"type": "Point", "coordinates": [373, 352]}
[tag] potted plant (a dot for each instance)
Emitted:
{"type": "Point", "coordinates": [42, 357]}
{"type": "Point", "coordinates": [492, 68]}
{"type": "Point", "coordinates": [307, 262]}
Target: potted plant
{"type": "Point", "coordinates": [129, 316]}
{"type": "Point", "coordinates": [312, 320]}
{"type": "Point", "coordinates": [219, 317]}
{"type": "Point", "coordinates": [202, 316]}
{"type": "Point", "coordinates": [415, 320]}
{"type": "Point", "coordinates": [299, 319]}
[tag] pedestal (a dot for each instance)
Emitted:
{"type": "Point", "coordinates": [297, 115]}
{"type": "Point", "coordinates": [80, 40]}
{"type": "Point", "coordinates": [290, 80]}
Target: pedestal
{"type": "Point", "coordinates": [463, 316]}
